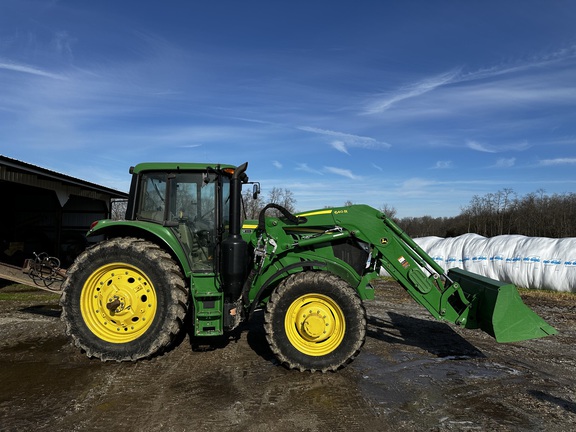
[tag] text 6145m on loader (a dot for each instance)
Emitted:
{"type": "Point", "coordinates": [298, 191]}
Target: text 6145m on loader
{"type": "Point", "coordinates": [183, 254]}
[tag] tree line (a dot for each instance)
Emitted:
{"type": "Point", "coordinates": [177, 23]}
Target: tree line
{"type": "Point", "coordinates": [534, 215]}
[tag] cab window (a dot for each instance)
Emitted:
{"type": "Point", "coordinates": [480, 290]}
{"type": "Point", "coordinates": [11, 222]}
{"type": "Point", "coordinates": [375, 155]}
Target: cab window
{"type": "Point", "coordinates": [153, 197]}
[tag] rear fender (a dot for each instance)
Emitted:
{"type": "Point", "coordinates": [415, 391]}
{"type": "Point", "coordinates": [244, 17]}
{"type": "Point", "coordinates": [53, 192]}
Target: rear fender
{"type": "Point", "coordinates": [161, 235]}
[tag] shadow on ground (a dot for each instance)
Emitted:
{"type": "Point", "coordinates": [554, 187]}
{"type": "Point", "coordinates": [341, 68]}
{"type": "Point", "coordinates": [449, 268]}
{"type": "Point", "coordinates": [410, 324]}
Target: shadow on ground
{"type": "Point", "coordinates": [435, 337]}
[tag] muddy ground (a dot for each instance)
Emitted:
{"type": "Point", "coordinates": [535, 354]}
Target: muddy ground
{"type": "Point", "coordinates": [413, 374]}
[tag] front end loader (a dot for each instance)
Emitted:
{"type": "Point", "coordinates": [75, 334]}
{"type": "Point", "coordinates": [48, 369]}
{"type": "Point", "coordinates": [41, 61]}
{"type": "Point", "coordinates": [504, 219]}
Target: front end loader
{"type": "Point", "coordinates": [182, 252]}
{"type": "Point", "coordinates": [355, 243]}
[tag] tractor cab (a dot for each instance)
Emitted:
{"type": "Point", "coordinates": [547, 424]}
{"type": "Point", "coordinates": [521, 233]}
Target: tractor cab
{"type": "Point", "coordinates": [192, 200]}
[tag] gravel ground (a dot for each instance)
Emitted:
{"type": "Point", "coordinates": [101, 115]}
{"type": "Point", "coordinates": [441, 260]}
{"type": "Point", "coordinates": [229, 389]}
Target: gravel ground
{"type": "Point", "coordinates": [414, 374]}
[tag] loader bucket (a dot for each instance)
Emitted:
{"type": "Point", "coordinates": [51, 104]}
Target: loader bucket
{"type": "Point", "coordinates": [498, 309]}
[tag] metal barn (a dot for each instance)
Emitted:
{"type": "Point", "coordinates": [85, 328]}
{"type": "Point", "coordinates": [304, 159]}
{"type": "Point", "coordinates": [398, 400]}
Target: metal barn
{"type": "Point", "coordinates": [45, 211]}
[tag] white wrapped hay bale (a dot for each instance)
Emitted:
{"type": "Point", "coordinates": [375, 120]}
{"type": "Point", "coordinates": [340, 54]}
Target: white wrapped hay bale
{"type": "Point", "coordinates": [527, 262]}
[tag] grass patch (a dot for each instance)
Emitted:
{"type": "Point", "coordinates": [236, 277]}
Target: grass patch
{"type": "Point", "coordinates": [547, 294]}
{"type": "Point", "coordinates": [530, 293]}
{"type": "Point", "coordinates": [29, 297]}
{"type": "Point", "coordinates": [20, 292]}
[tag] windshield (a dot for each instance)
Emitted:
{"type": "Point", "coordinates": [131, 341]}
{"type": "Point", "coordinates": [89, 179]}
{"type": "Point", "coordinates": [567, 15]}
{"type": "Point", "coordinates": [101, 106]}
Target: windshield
{"type": "Point", "coordinates": [193, 199]}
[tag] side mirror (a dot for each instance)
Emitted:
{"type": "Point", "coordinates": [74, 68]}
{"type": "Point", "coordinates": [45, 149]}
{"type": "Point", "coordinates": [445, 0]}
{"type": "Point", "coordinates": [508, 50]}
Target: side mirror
{"type": "Point", "coordinates": [255, 190]}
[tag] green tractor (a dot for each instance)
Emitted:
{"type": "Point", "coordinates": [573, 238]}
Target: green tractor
{"type": "Point", "coordinates": [183, 253]}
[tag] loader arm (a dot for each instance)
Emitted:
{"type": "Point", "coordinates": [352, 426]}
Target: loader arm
{"type": "Point", "coordinates": [460, 297]}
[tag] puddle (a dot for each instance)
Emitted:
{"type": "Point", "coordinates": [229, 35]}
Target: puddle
{"type": "Point", "coordinates": [396, 381]}
{"type": "Point", "coordinates": [38, 382]}
{"type": "Point", "coordinates": [34, 347]}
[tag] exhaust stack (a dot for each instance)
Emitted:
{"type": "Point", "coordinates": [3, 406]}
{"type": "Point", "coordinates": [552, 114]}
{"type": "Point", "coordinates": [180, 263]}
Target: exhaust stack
{"type": "Point", "coordinates": [234, 248]}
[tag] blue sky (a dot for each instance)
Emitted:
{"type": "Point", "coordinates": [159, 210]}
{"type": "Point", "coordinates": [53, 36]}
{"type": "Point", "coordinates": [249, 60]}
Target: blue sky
{"type": "Point", "coordinates": [419, 105]}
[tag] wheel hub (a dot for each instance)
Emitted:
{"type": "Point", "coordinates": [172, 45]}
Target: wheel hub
{"type": "Point", "coordinates": [315, 324]}
{"type": "Point", "coordinates": [115, 306]}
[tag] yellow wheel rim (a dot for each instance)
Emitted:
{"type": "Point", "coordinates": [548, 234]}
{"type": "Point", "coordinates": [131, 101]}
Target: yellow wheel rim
{"type": "Point", "coordinates": [315, 324]}
{"type": "Point", "coordinates": [118, 303]}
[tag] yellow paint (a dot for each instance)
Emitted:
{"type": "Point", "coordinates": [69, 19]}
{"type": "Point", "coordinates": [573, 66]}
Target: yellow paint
{"type": "Point", "coordinates": [315, 324]}
{"type": "Point", "coordinates": [315, 213]}
{"type": "Point", "coordinates": [118, 303]}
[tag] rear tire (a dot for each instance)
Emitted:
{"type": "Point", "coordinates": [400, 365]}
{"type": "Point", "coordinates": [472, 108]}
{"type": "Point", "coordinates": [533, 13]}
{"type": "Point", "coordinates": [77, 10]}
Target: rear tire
{"type": "Point", "coordinates": [124, 299]}
{"type": "Point", "coordinates": [315, 321]}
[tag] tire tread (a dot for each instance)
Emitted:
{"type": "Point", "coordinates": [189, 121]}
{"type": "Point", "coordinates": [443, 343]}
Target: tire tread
{"type": "Point", "coordinates": [318, 279]}
{"type": "Point", "coordinates": [176, 309]}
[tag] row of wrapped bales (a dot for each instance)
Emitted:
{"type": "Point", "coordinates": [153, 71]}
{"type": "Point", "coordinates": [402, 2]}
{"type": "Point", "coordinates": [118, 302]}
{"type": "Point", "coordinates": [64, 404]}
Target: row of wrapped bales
{"type": "Point", "coordinates": [527, 262]}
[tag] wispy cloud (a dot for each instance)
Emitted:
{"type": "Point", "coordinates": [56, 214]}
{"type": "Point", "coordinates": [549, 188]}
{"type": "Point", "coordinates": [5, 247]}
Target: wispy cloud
{"type": "Point", "coordinates": [505, 163]}
{"type": "Point", "coordinates": [489, 84]}
{"type": "Point", "coordinates": [536, 61]}
{"type": "Point", "coordinates": [16, 67]}
{"type": "Point", "coordinates": [346, 140]}
{"type": "Point", "coordinates": [277, 164]}
{"type": "Point", "coordinates": [557, 161]}
{"type": "Point", "coordinates": [443, 165]}
{"type": "Point", "coordinates": [304, 167]}
{"type": "Point", "coordinates": [342, 172]}
{"type": "Point", "coordinates": [485, 148]}
{"type": "Point", "coordinates": [416, 186]}
{"type": "Point", "coordinates": [419, 88]}
{"type": "Point", "coordinates": [489, 148]}
{"type": "Point", "coordinates": [340, 146]}
{"type": "Point", "coordinates": [62, 44]}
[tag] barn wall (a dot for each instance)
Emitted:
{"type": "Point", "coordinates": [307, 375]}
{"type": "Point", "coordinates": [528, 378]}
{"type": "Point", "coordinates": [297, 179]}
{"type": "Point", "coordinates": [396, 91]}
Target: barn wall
{"type": "Point", "coordinates": [35, 219]}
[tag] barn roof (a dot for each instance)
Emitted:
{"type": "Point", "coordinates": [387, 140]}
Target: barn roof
{"type": "Point", "coordinates": [22, 172]}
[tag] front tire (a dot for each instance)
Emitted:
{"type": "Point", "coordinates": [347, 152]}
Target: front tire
{"type": "Point", "coordinates": [124, 299]}
{"type": "Point", "coordinates": [315, 321]}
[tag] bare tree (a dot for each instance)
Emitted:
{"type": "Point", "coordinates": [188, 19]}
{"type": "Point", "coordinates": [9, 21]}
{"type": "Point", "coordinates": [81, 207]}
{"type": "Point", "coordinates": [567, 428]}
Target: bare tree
{"type": "Point", "coordinates": [118, 209]}
{"type": "Point", "coordinates": [388, 210]}
{"type": "Point", "coordinates": [282, 197]}
{"type": "Point", "coordinates": [252, 206]}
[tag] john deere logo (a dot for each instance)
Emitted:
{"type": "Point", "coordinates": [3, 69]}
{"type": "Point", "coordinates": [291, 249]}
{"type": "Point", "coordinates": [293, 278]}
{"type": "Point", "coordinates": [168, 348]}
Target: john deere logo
{"type": "Point", "coordinates": [384, 241]}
